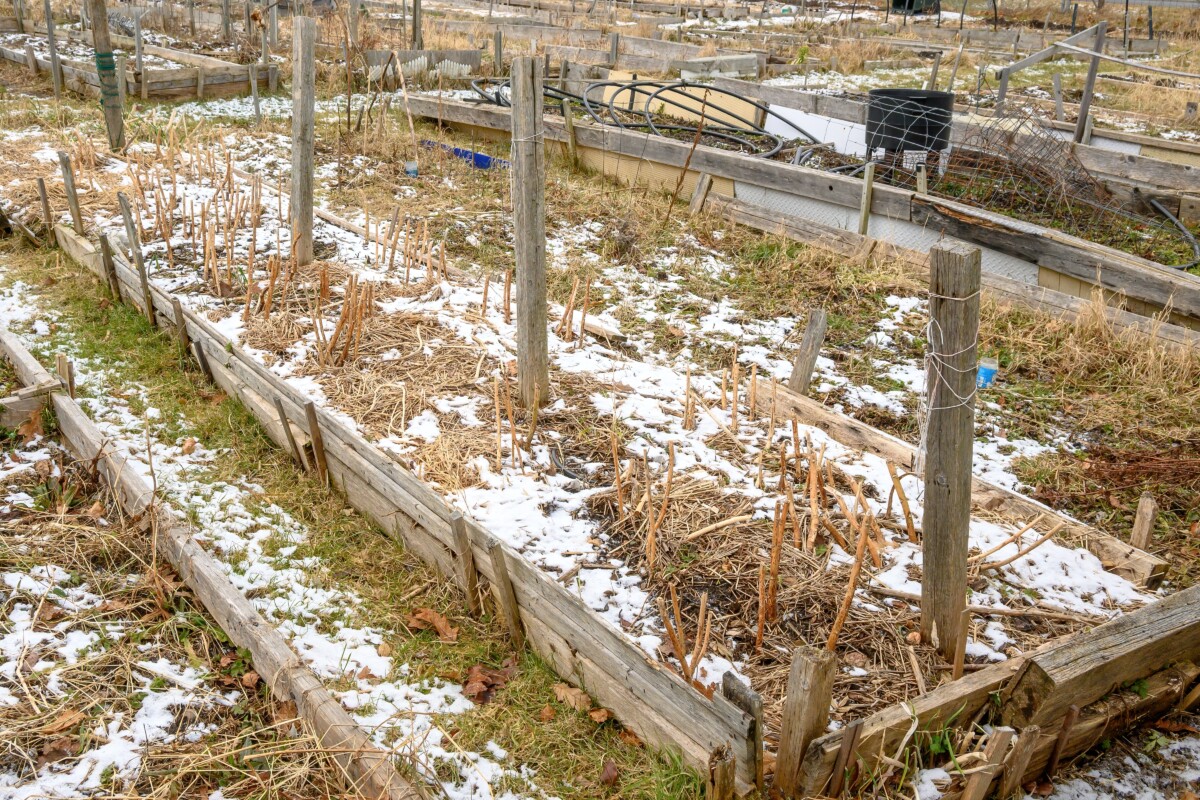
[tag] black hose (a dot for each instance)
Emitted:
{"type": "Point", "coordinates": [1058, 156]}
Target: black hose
{"type": "Point", "coordinates": [1183, 229]}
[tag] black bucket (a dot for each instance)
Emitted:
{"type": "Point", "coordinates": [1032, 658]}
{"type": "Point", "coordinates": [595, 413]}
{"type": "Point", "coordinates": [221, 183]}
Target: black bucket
{"type": "Point", "coordinates": [909, 119]}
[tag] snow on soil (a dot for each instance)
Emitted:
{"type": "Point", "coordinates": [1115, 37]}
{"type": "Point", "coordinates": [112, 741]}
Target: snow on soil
{"type": "Point", "coordinates": [255, 541]}
{"type": "Point", "coordinates": [542, 512]}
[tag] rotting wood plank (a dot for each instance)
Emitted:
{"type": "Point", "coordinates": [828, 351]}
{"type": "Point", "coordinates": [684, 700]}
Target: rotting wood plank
{"type": "Point", "coordinates": [368, 767]}
{"type": "Point", "coordinates": [1091, 664]}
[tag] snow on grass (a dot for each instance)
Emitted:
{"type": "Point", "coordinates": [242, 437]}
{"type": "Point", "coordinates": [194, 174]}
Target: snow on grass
{"type": "Point", "coordinates": [255, 541]}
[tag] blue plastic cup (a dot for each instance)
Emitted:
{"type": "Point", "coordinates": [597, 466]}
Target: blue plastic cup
{"type": "Point", "coordinates": [987, 372]}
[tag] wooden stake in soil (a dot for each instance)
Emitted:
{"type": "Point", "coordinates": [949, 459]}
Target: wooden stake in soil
{"type": "Point", "coordinates": [529, 219]}
{"type": "Point", "coordinates": [304, 78]}
{"type": "Point", "coordinates": [810, 348]}
{"type": "Point", "coordinates": [505, 597]}
{"type": "Point", "coordinates": [110, 268]}
{"type": "Point", "coordinates": [805, 712]}
{"type": "Point", "coordinates": [1143, 522]}
{"type": "Point", "coordinates": [135, 247]}
{"type": "Point", "coordinates": [318, 443]}
{"type": "Point", "coordinates": [68, 176]}
{"type": "Point", "coordinates": [466, 557]}
{"type": "Point", "coordinates": [47, 216]}
{"type": "Point", "coordinates": [952, 364]}
{"type": "Point", "coordinates": [106, 71]}
{"type": "Point", "coordinates": [55, 67]}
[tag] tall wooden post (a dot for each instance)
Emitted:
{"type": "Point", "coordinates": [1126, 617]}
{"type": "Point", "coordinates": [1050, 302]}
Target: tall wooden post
{"type": "Point", "coordinates": [226, 21]}
{"type": "Point", "coordinates": [529, 220]}
{"type": "Point", "coordinates": [498, 51]}
{"type": "Point", "coordinates": [352, 23]}
{"type": "Point", "coordinates": [106, 70]}
{"type": "Point", "coordinates": [418, 37]}
{"type": "Point", "coordinates": [137, 48]}
{"type": "Point", "coordinates": [1089, 87]}
{"type": "Point", "coordinates": [273, 26]}
{"type": "Point", "coordinates": [810, 347]}
{"type": "Point", "coordinates": [304, 78]}
{"type": "Point", "coordinates": [954, 276]}
{"type": "Point", "coordinates": [55, 67]}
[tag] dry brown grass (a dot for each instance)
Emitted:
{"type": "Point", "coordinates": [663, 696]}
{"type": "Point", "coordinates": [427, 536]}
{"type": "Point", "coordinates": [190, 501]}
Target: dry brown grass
{"type": "Point", "coordinates": [158, 618]}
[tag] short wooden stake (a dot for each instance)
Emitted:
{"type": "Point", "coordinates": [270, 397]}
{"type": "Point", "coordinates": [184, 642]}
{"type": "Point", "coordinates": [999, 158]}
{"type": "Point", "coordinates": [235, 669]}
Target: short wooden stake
{"type": "Point", "coordinates": [700, 193]}
{"type": "Point", "coordinates": [180, 323]}
{"type": "Point", "coordinates": [572, 145]}
{"type": "Point", "coordinates": [1056, 84]}
{"type": "Point", "coordinates": [47, 216]}
{"type": "Point", "coordinates": [506, 599]}
{"type": "Point", "coordinates": [933, 73]}
{"type": "Point", "coordinates": [1018, 761]}
{"type": "Point", "coordinates": [805, 712]}
{"type": "Point", "coordinates": [864, 210]}
{"type": "Point", "coordinates": [135, 247]}
{"type": "Point", "coordinates": [318, 443]}
{"type": "Point", "coordinates": [466, 558]}
{"type": "Point", "coordinates": [980, 781]}
{"type": "Point", "coordinates": [68, 176]}
{"type": "Point", "coordinates": [844, 763]}
{"type": "Point", "coordinates": [737, 692]}
{"type": "Point", "coordinates": [810, 347]}
{"type": "Point", "coordinates": [110, 268]}
{"type": "Point", "coordinates": [1143, 522]}
{"type": "Point", "coordinates": [922, 179]}
{"type": "Point", "coordinates": [202, 360]}
{"type": "Point", "coordinates": [722, 775]}
{"type": "Point", "coordinates": [66, 372]}
{"type": "Point", "coordinates": [296, 452]}
{"type": "Point", "coordinates": [954, 311]}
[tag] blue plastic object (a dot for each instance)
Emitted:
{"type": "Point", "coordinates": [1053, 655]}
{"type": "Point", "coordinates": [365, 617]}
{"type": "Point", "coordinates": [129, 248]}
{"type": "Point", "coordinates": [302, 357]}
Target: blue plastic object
{"type": "Point", "coordinates": [987, 372]}
{"type": "Point", "coordinates": [475, 159]}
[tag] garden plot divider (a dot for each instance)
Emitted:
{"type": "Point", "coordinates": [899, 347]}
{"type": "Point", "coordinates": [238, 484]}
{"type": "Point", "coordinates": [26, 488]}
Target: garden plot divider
{"type": "Point", "coordinates": [581, 647]}
{"type": "Point", "coordinates": [198, 76]}
{"type": "Point", "coordinates": [367, 766]}
{"type": "Point", "coordinates": [1021, 251]}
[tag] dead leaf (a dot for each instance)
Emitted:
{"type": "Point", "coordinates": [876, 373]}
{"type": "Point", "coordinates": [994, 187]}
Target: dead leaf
{"type": "Point", "coordinates": [1043, 788]}
{"type": "Point", "coordinates": [49, 613]}
{"type": "Point", "coordinates": [365, 674]}
{"type": "Point", "coordinates": [57, 750]}
{"type": "Point", "coordinates": [609, 775]}
{"type": "Point", "coordinates": [31, 428]}
{"type": "Point", "coordinates": [64, 722]}
{"type": "Point", "coordinates": [547, 713]}
{"type": "Point", "coordinates": [104, 303]}
{"type": "Point", "coordinates": [1174, 726]}
{"type": "Point", "coordinates": [600, 715]}
{"type": "Point", "coordinates": [427, 618]}
{"type": "Point", "coordinates": [630, 738]}
{"type": "Point", "coordinates": [284, 711]}
{"type": "Point", "coordinates": [482, 682]}
{"type": "Point", "coordinates": [384, 649]}
{"type": "Point", "coordinates": [189, 446]}
{"type": "Point", "coordinates": [96, 511]}
{"type": "Point", "coordinates": [575, 698]}
{"type": "Point", "coordinates": [250, 679]}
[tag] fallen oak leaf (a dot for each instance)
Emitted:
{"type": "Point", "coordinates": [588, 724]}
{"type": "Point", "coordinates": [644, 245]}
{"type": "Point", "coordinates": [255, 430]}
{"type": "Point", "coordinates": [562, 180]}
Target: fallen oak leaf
{"type": "Point", "coordinates": [600, 715]}
{"type": "Point", "coordinates": [575, 698]}
{"type": "Point", "coordinates": [630, 738]}
{"type": "Point", "coordinates": [250, 679]}
{"type": "Point", "coordinates": [63, 722]}
{"type": "Point", "coordinates": [547, 713]}
{"type": "Point", "coordinates": [482, 682]}
{"type": "Point", "coordinates": [426, 619]}
{"type": "Point", "coordinates": [31, 428]}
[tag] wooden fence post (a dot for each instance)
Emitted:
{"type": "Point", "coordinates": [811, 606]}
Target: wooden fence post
{"type": "Point", "coordinates": [954, 327]}
{"type": "Point", "coordinates": [137, 48]}
{"type": "Point", "coordinates": [55, 67]}
{"type": "Point", "coordinates": [304, 76]}
{"type": "Point", "coordinates": [122, 89]}
{"type": "Point", "coordinates": [106, 71]}
{"type": "Point", "coordinates": [1089, 86]}
{"type": "Point", "coordinates": [110, 268]}
{"type": "Point", "coordinates": [68, 176]}
{"type": "Point", "coordinates": [314, 435]}
{"type": "Point", "coordinates": [737, 692]}
{"type": "Point", "coordinates": [1056, 86]}
{"type": "Point", "coordinates": [273, 26]}
{"type": "Point", "coordinates": [31, 59]}
{"type": "Point", "coordinates": [933, 73]}
{"type": "Point", "coordinates": [810, 348]}
{"type": "Point", "coordinates": [805, 712]}
{"type": "Point", "coordinates": [226, 21]}
{"type": "Point", "coordinates": [529, 219]}
{"type": "Point", "coordinates": [614, 49]}
{"type": "Point", "coordinates": [418, 36]}
{"type": "Point", "coordinates": [466, 558]}
{"type": "Point", "coordinates": [498, 51]}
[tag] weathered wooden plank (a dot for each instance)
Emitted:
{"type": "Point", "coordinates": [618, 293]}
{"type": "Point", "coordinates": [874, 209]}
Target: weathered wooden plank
{"type": "Point", "coordinates": [1090, 665]}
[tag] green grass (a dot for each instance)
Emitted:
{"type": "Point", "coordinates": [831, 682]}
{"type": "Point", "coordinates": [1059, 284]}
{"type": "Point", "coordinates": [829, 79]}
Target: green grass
{"type": "Point", "coordinates": [567, 753]}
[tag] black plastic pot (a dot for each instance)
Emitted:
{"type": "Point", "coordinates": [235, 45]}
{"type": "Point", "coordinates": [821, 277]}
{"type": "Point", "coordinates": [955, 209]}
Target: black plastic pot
{"type": "Point", "coordinates": [909, 119]}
